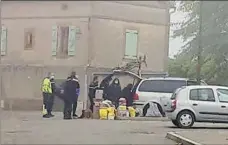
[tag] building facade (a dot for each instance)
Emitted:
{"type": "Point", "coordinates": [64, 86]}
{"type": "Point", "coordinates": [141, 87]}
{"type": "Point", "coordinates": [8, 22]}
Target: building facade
{"type": "Point", "coordinates": [85, 36]}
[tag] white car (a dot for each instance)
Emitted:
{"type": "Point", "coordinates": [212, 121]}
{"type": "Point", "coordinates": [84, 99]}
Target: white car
{"type": "Point", "coordinates": [198, 104]}
{"type": "Point", "coordinates": [158, 89]}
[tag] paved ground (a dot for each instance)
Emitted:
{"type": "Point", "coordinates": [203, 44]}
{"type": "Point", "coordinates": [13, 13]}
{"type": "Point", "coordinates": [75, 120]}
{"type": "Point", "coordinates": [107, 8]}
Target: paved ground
{"type": "Point", "coordinates": [207, 133]}
{"type": "Point", "coordinates": [30, 128]}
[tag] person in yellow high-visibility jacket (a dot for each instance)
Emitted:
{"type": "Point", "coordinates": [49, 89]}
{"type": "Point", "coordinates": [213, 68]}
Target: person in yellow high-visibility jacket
{"type": "Point", "coordinates": [47, 93]}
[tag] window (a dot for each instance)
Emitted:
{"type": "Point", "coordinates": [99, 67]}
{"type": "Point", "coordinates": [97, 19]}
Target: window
{"type": "Point", "coordinates": [29, 39]}
{"type": "Point", "coordinates": [194, 94]}
{"type": "Point", "coordinates": [63, 34]}
{"type": "Point", "coordinates": [174, 95]}
{"type": "Point", "coordinates": [63, 40]}
{"type": "Point", "coordinates": [161, 86]}
{"type": "Point", "coordinates": [202, 95]}
{"type": "Point", "coordinates": [222, 95]}
{"type": "Point", "coordinates": [131, 44]}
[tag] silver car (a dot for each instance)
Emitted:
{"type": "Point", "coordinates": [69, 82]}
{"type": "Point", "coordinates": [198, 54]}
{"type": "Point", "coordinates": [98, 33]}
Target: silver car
{"type": "Point", "coordinates": [159, 90]}
{"type": "Point", "coordinates": [198, 104]}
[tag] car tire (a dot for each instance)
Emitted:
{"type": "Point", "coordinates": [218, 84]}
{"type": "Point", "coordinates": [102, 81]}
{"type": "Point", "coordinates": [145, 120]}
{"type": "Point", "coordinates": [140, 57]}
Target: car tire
{"type": "Point", "coordinates": [175, 123]}
{"type": "Point", "coordinates": [185, 119]}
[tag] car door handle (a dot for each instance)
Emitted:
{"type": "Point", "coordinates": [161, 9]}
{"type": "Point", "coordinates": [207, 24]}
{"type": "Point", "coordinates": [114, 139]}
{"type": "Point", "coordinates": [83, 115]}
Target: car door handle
{"type": "Point", "coordinates": [223, 106]}
{"type": "Point", "coordinates": [194, 104]}
{"type": "Point", "coordinates": [165, 105]}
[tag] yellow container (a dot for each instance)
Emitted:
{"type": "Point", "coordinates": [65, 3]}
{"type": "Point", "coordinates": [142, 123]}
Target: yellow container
{"type": "Point", "coordinates": [111, 113]}
{"type": "Point", "coordinates": [122, 111]}
{"type": "Point", "coordinates": [132, 111]}
{"type": "Point", "coordinates": [103, 113]}
{"type": "Point", "coordinates": [122, 108]}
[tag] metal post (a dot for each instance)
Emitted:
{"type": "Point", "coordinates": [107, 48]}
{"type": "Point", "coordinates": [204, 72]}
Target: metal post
{"type": "Point", "coordinates": [86, 89]}
{"type": "Point", "coordinates": [199, 44]}
{"type": "Point", "coordinates": [1, 68]}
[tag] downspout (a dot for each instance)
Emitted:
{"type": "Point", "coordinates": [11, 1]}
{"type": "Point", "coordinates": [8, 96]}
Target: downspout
{"type": "Point", "coordinates": [85, 103]}
{"type": "Point", "coordinates": [166, 47]}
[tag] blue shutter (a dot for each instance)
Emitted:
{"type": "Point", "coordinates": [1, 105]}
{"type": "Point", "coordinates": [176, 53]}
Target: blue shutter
{"type": "Point", "coordinates": [54, 40]}
{"type": "Point", "coordinates": [72, 40]}
{"type": "Point", "coordinates": [131, 44]}
{"type": "Point", "coordinates": [3, 41]}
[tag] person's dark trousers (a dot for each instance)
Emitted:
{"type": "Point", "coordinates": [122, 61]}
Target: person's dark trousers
{"type": "Point", "coordinates": [91, 103]}
{"type": "Point", "coordinates": [67, 109]}
{"type": "Point", "coordinates": [116, 103]}
{"type": "Point", "coordinates": [51, 103]}
{"type": "Point", "coordinates": [46, 99]}
{"type": "Point", "coordinates": [75, 104]}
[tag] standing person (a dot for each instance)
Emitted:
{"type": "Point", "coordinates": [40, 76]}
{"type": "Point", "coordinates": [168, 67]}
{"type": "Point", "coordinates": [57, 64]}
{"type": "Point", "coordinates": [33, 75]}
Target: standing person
{"type": "Point", "coordinates": [127, 94]}
{"type": "Point", "coordinates": [47, 92]}
{"type": "Point", "coordinates": [52, 98]}
{"type": "Point", "coordinates": [70, 94]}
{"type": "Point", "coordinates": [67, 100]}
{"type": "Point", "coordinates": [92, 91]}
{"type": "Point", "coordinates": [105, 85]}
{"type": "Point", "coordinates": [114, 92]}
{"type": "Point", "coordinates": [75, 99]}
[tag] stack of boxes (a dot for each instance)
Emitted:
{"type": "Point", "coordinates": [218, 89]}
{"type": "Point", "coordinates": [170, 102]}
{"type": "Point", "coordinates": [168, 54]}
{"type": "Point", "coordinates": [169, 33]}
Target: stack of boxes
{"type": "Point", "coordinates": [97, 103]}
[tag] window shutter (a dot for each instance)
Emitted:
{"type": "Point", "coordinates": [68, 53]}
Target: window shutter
{"type": "Point", "coordinates": [72, 40]}
{"type": "Point", "coordinates": [54, 40]}
{"type": "Point", "coordinates": [3, 41]}
{"type": "Point", "coordinates": [131, 44]}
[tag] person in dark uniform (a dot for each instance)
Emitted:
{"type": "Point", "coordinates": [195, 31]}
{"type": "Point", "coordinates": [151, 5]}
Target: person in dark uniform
{"type": "Point", "coordinates": [92, 91]}
{"type": "Point", "coordinates": [127, 94]}
{"type": "Point", "coordinates": [70, 93]}
{"type": "Point", "coordinates": [105, 85]}
{"type": "Point", "coordinates": [114, 92]}
{"type": "Point", "coordinates": [52, 98]}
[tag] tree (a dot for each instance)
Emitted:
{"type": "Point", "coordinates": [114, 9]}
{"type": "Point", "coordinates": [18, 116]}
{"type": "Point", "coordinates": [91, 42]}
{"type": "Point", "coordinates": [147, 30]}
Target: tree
{"type": "Point", "coordinates": [214, 39]}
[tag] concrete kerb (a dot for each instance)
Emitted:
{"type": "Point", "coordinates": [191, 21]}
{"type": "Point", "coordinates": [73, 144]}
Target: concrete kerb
{"type": "Point", "coordinates": [143, 118]}
{"type": "Point", "coordinates": [180, 139]}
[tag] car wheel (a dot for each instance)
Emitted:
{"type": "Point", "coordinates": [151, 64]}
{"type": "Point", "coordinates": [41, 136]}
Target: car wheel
{"type": "Point", "coordinates": [175, 123]}
{"type": "Point", "coordinates": [185, 119]}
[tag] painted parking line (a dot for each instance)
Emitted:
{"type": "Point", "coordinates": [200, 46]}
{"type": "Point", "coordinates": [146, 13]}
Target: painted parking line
{"type": "Point", "coordinates": [180, 139]}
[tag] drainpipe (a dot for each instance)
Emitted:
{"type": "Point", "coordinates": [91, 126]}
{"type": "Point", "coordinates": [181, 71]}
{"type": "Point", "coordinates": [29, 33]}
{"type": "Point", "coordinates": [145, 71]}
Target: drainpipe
{"type": "Point", "coordinates": [85, 90]}
{"type": "Point", "coordinates": [88, 63]}
{"type": "Point", "coordinates": [1, 97]}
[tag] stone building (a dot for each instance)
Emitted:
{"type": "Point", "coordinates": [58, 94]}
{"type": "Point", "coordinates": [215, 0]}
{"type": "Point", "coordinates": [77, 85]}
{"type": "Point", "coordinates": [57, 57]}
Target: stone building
{"type": "Point", "coordinates": [85, 36]}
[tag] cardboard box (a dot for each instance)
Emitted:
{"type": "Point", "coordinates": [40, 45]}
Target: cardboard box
{"type": "Point", "coordinates": [99, 94]}
{"type": "Point", "coordinates": [96, 107]}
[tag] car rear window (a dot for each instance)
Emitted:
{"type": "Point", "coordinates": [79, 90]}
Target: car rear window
{"type": "Point", "coordinates": [174, 95]}
{"type": "Point", "coordinates": [161, 86]}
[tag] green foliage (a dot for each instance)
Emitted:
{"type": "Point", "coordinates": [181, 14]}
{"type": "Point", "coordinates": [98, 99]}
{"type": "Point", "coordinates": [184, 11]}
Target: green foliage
{"type": "Point", "coordinates": [214, 41]}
